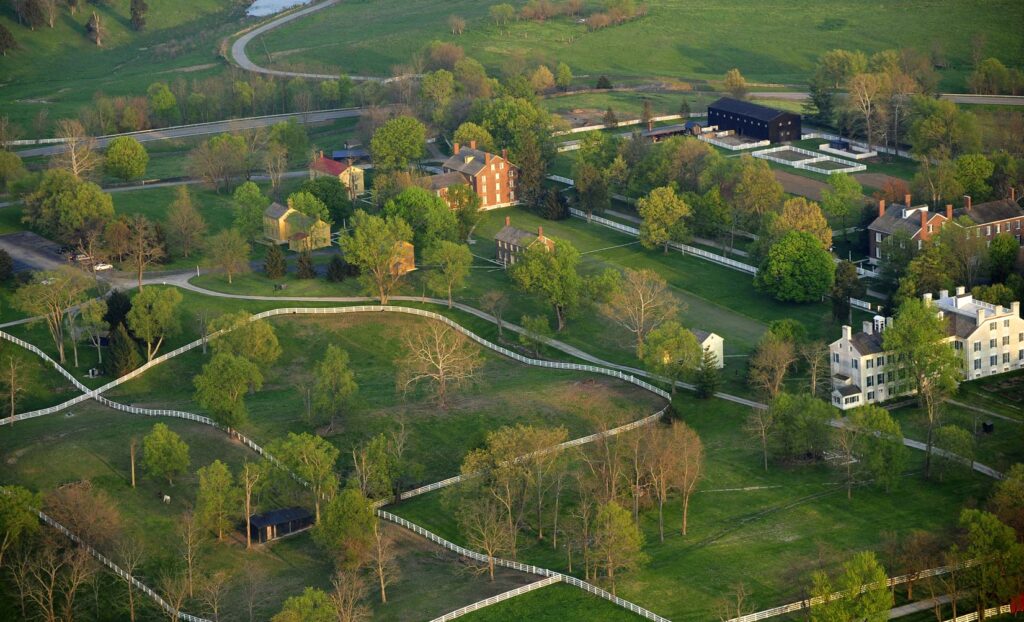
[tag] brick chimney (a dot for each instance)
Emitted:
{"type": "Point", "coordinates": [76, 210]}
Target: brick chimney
{"type": "Point", "coordinates": [508, 221]}
{"type": "Point", "coordinates": [504, 154]}
{"type": "Point", "coordinates": [455, 148]}
{"type": "Point", "coordinates": [949, 211]}
{"type": "Point", "coordinates": [967, 202]}
{"type": "Point", "coordinates": [881, 208]}
{"type": "Point", "coordinates": [924, 225]}
{"type": "Point", "coordinates": [487, 157]}
{"type": "Point", "coordinates": [906, 199]}
{"type": "Point", "coordinates": [321, 154]}
{"type": "Point", "coordinates": [472, 144]}
{"type": "Point", "coordinates": [540, 231]}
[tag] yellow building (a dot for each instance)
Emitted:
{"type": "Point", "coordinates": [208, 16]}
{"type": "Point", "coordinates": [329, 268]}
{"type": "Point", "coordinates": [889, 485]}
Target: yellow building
{"type": "Point", "coordinates": [405, 258]}
{"type": "Point", "coordinates": [350, 175]}
{"type": "Point", "coordinates": [284, 225]}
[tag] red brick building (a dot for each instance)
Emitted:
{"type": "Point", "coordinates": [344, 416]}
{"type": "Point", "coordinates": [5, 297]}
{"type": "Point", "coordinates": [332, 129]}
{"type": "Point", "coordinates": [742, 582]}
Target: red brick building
{"type": "Point", "coordinates": [492, 177]}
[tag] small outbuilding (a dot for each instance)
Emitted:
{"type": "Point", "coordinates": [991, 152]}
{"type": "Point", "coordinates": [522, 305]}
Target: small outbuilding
{"type": "Point", "coordinates": [279, 523]}
{"type": "Point", "coordinates": [710, 342]}
{"type": "Point", "coordinates": [754, 121]}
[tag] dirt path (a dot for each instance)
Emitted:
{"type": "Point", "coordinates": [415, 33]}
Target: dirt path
{"type": "Point", "coordinates": [798, 184]}
{"type": "Point", "coordinates": [877, 180]}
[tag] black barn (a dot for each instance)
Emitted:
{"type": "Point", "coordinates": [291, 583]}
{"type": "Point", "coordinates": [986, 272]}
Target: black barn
{"type": "Point", "coordinates": [754, 121]}
{"type": "Point", "coordinates": [278, 523]}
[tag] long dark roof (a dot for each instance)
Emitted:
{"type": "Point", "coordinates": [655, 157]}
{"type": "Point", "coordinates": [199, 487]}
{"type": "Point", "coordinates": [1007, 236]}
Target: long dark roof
{"type": "Point", "coordinates": [277, 517]}
{"type": "Point", "coordinates": [992, 211]}
{"type": "Point", "coordinates": [867, 344]}
{"type": "Point", "coordinates": [514, 235]}
{"type": "Point", "coordinates": [747, 109]}
{"type": "Point", "coordinates": [468, 160]}
{"type": "Point", "coordinates": [275, 210]}
{"type": "Point", "coordinates": [892, 220]}
{"type": "Point", "coordinates": [446, 180]}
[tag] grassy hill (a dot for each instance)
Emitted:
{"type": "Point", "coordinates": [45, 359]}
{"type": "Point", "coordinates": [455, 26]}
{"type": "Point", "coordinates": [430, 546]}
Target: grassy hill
{"type": "Point", "coordinates": [774, 41]}
{"type": "Point", "coordinates": [60, 69]}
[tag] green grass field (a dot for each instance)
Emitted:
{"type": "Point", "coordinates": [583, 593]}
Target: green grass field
{"type": "Point", "coordinates": [59, 69]}
{"type": "Point", "coordinates": [775, 42]}
{"type": "Point", "coordinates": [768, 530]}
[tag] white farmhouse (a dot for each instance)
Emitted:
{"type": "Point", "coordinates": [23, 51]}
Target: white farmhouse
{"type": "Point", "coordinates": [990, 339]}
{"type": "Point", "coordinates": [710, 342]}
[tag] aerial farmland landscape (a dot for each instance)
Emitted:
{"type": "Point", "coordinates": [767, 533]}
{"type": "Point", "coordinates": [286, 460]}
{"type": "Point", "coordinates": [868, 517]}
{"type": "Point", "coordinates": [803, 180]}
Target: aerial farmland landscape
{"type": "Point", "coordinates": [547, 310]}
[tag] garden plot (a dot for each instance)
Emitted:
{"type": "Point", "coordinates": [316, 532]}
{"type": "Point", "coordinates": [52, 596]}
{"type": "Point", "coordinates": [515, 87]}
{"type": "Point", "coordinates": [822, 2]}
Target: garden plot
{"type": "Point", "coordinates": [809, 160]}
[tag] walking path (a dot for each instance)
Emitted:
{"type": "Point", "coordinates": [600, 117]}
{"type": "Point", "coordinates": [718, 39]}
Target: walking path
{"type": "Point", "coordinates": [984, 411]}
{"type": "Point", "coordinates": [921, 605]}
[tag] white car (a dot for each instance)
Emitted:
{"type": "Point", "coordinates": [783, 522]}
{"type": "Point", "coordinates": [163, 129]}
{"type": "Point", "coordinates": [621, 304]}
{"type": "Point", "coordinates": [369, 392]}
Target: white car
{"type": "Point", "coordinates": [102, 266]}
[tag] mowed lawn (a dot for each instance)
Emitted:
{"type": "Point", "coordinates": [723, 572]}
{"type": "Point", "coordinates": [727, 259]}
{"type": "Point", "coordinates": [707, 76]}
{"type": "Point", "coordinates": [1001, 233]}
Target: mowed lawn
{"type": "Point", "coordinates": [774, 41]}
{"type": "Point", "coordinates": [505, 393]}
{"type": "Point", "coordinates": [58, 70]}
{"type": "Point", "coordinates": [767, 530]}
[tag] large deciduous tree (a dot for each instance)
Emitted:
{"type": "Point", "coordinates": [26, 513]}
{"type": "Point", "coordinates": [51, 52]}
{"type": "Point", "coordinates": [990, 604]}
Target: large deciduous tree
{"type": "Point", "coordinates": [842, 198]}
{"type": "Point", "coordinates": [671, 351]}
{"type": "Point", "coordinates": [185, 225]}
{"type": "Point", "coordinates": [242, 336]}
{"type": "Point", "coordinates": [640, 303]}
{"type": "Point", "coordinates": [250, 202]}
{"type": "Point", "coordinates": [164, 454]}
{"type": "Point", "coordinates": [346, 530]}
{"type": "Point", "coordinates": [154, 317]}
{"type": "Point", "coordinates": [664, 216]}
{"type": "Point", "coordinates": [313, 459]}
{"type": "Point", "coordinates": [797, 269]}
{"type": "Point", "coordinates": [865, 595]}
{"type": "Point", "coordinates": [229, 251]}
{"type": "Point", "coordinates": [335, 384]}
{"type": "Point", "coordinates": [917, 341]}
{"type": "Point", "coordinates": [143, 246]}
{"type": "Point", "coordinates": [771, 362]}
{"type": "Point", "coordinates": [551, 274]}
{"type": "Point", "coordinates": [398, 143]}
{"type": "Point", "coordinates": [618, 542]}
{"type": "Point", "coordinates": [438, 355]}
{"type": "Point", "coordinates": [431, 219]}
{"type": "Point", "coordinates": [375, 246]}
{"type": "Point", "coordinates": [450, 262]}
{"type": "Point", "coordinates": [49, 296]}
{"type": "Point", "coordinates": [62, 204]}
{"type": "Point", "coordinates": [222, 385]}
{"type": "Point", "coordinates": [126, 158]}
{"type": "Point", "coordinates": [218, 498]}
{"type": "Point", "coordinates": [78, 156]}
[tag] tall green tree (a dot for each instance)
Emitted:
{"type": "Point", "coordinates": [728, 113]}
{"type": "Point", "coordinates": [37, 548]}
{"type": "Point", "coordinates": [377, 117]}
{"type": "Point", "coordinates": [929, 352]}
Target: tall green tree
{"type": "Point", "coordinates": [154, 317]}
{"type": "Point", "coordinates": [62, 204]}
{"type": "Point", "coordinates": [313, 605]}
{"type": "Point", "coordinates": [253, 340]}
{"type": "Point", "coordinates": [847, 285]}
{"type": "Point", "coordinates": [672, 351]}
{"type": "Point", "coordinates": [957, 450]}
{"type": "Point", "coordinates": [274, 265]}
{"type": "Point", "coordinates": [126, 158]}
{"type": "Point", "coordinates": [618, 542]}
{"type": "Point", "coordinates": [431, 219]}
{"type": "Point", "coordinates": [229, 251]}
{"type": "Point", "coordinates": [917, 342]}
{"type": "Point", "coordinates": [842, 197]}
{"type": "Point", "coordinates": [346, 529]}
{"type": "Point", "coordinates": [551, 275]}
{"type": "Point", "coordinates": [664, 216]}
{"type": "Point", "coordinates": [18, 518]}
{"type": "Point", "coordinates": [250, 202]}
{"type": "Point", "coordinates": [997, 577]}
{"type": "Point", "coordinates": [398, 143]}
{"type": "Point", "coordinates": [164, 454]}
{"type": "Point", "coordinates": [1002, 256]}
{"type": "Point", "coordinates": [313, 459]}
{"type": "Point", "coordinates": [185, 226]}
{"type": "Point", "coordinates": [124, 354]}
{"type": "Point", "coordinates": [49, 296]}
{"type": "Point", "coordinates": [797, 269]}
{"type": "Point", "coordinates": [218, 500]}
{"type": "Point", "coordinates": [450, 263]}
{"type": "Point", "coordinates": [866, 597]}
{"type": "Point", "coordinates": [308, 204]}
{"type": "Point", "coordinates": [221, 388]}
{"type": "Point", "coordinates": [336, 385]}
{"type": "Point", "coordinates": [466, 205]}
{"type": "Point", "coordinates": [708, 376]}
{"type": "Point", "coordinates": [375, 248]}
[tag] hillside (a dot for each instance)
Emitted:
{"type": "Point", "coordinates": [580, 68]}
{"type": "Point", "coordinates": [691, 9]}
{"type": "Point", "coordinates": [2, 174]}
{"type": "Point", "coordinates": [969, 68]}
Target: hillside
{"type": "Point", "coordinates": [676, 40]}
{"type": "Point", "coordinates": [60, 69]}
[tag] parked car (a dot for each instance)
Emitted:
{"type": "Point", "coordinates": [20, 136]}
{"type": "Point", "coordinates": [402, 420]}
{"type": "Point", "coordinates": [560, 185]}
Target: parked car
{"type": "Point", "coordinates": [102, 266]}
{"type": "Point", "coordinates": [82, 257]}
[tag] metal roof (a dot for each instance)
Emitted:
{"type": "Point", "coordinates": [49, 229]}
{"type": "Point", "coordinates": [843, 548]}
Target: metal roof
{"type": "Point", "coordinates": [277, 517]}
{"type": "Point", "coordinates": [275, 210]}
{"type": "Point", "coordinates": [747, 109]}
{"type": "Point", "coordinates": [991, 211]}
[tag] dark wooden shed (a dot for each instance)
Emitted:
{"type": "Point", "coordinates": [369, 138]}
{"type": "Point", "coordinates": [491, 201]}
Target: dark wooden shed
{"type": "Point", "coordinates": [279, 523]}
{"type": "Point", "coordinates": [754, 121]}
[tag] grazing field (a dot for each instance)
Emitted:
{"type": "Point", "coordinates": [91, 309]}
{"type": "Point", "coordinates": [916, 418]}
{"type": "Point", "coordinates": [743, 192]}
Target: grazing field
{"type": "Point", "coordinates": [768, 530]}
{"type": "Point", "coordinates": [59, 69]}
{"type": "Point", "coordinates": [505, 393]}
{"type": "Point", "coordinates": [674, 41]}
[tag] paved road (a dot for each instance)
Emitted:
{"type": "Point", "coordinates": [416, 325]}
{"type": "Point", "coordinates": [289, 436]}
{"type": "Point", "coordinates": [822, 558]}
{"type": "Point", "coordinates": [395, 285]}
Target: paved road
{"type": "Point", "coordinates": [959, 98]}
{"type": "Point", "coordinates": [214, 127]}
{"type": "Point", "coordinates": [921, 605]}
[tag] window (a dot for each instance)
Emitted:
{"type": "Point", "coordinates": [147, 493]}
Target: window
{"type": "Point", "coordinates": [993, 325]}
{"type": "Point", "coordinates": [856, 363]}
{"type": "Point", "coordinates": [1006, 357]}
{"type": "Point", "coordinates": [1020, 336]}
{"type": "Point", "coordinates": [1006, 323]}
{"type": "Point", "coordinates": [991, 343]}
{"type": "Point", "coordinates": [871, 395]}
{"type": "Point", "coordinates": [880, 361]}
{"type": "Point", "coordinates": [997, 228]}
{"type": "Point", "coordinates": [1020, 355]}
{"type": "Point", "coordinates": [888, 377]}
{"type": "Point", "coordinates": [1006, 341]}
{"type": "Point", "coordinates": [878, 253]}
{"type": "Point", "coordinates": [988, 230]}
{"type": "Point", "coordinates": [880, 379]}
{"type": "Point", "coordinates": [977, 363]}
{"type": "Point", "coordinates": [869, 364]}
{"type": "Point", "coordinates": [871, 381]}
{"type": "Point", "coordinates": [977, 346]}
{"type": "Point", "coordinates": [835, 357]}
{"type": "Point", "coordinates": [878, 237]}
{"type": "Point", "coordinates": [993, 360]}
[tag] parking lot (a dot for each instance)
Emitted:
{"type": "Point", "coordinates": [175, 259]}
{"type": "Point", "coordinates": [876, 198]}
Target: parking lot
{"type": "Point", "coordinates": [31, 251]}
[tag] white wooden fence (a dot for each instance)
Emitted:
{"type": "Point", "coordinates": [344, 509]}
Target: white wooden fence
{"type": "Point", "coordinates": [528, 568]}
{"type": "Point", "coordinates": [808, 162]}
{"type": "Point", "coordinates": [683, 248]}
{"type": "Point", "coordinates": [992, 611]}
{"type": "Point", "coordinates": [480, 604]}
{"type": "Point", "coordinates": [627, 123]}
{"type": "Point", "coordinates": [732, 146]}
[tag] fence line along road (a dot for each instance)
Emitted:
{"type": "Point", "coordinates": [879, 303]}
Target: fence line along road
{"type": "Point", "coordinates": [992, 611]}
{"type": "Point", "coordinates": [480, 604]}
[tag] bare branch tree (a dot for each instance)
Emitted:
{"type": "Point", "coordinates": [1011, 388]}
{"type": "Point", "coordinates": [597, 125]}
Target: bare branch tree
{"type": "Point", "coordinates": [771, 362]}
{"type": "Point", "coordinates": [439, 355]}
{"type": "Point", "coordinates": [189, 542]}
{"type": "Point", "coordinates": [641, 302]}
{"type": "Point", "coordinates": [144, 247]}
{"type": "Point", "coordinates": [212, 590]}
{"type": "Point", "coordinates": [12, 374]}
{"type": "Point", "coordinates": [815, 357]}
{"type": "Point", "coordinates": [690, 467]}
{"type": "Point", "coordinates": [130, 553]}
{"type": "Point", "coordinates": [759, 425]}
{"type": "Point", "coordinates": [383, 558]}
{"type": "Point", "coordinates": [79, 155]}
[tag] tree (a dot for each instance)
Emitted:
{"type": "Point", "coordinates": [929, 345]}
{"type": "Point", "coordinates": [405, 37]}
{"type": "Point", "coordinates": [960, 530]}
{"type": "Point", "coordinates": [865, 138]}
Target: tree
{"type": "Point", "coordinates": [502, 14]}
{"type": "Point", "coordinates": [708, 376]}
{"type": "Point", "coordinates": [375, 248]}
{"type": "Point", "coordinates": [124, 354]}
{"type": "Point", "coordinates": [797, 269]}
{"type": "Point", "coordinates": [62, 204]}
{"type": "Point", "coordinates": [640, 302]}
{"type": "Point", "coordinates": [603, 83]}
{"type": "Point", "coordinates": [347, 528]}
{"type": "Point", "coordinates": [12, 170]}
{"type": "Point", "coordinates": [973, 171]}
{"type": "Point", "coordinates": [481, 520]}
{"type": "Point", "coordinates": [1007, 500]}
{"type": "Point", "coordinates": [162, 101]}
{"type": "Point", "coordinates": [757, 191]}
{"type": "Point", "coordinates": [79, 155]}
{"type": "Point", "coordinates": [222, 385]}
{"type": "Point", "coordinates": [671, 351]}
{"type": "Point", "coordinates": [536, 330]}
{"type": "Point", "coordinates": [814, 355]}
{"type": "Point", "coordinates": [798, 214]}
{"type": "Point", "coordinates": [312, 605]}
{"type": "Point", "coordinates": [1003, 252]}
{"type": "Point", "coordinates": [185, 226]}
{"type": "Point", "coordinates": [451, 264]}
{"type": "Point", "coordinates": [238, 334]}
{"type": "Point", "coordinates": [7, 40]}
{"type": "Point", "coordinates": [118, 306]}
{"type": "Point", "coordinates": [877, 449]}
{"type": "Point", "coordinates": [333, 194]}
{"type": "Point", "coordinates": [542, 79]}
{"type": "Point", "coordinates": [154, 317]}
{"type": "Point", "coordinates": [990, 77]}
{"type": "Point", "coordinates": [997, 577]}
{"type": "Point", "coordinates": [956, 450]}
{"type": "Point", "coordinates": [942, 127]}
{"type": "Point", "coordinates": [563, 76]}
{"type": "Point", "coordinates": [382, 559]}
{"type": "Point", "coordinates": [551, 274]}
{"type": "Point", "coordinates": [138, 11]}
{"type": "Point", "coordinates": [847, 285]}
{"type": "Point", "coordinates": [469, 132]}
{"type": "Point", "coordinates": [917, 343]}
{"type": "Point", "coordinates": [610, 119]}
{"type": "Point", "coordinates": [48, 296]}
{"type": "Point", "coordinates": [398, 143]}
{"type": "Point", "coordinates": [18, 518]}
{"type": "Point", "coordinates": [466, 205]}
{"type": "Point", "coordinates": [218, 498]}
{"type": "Point", "coordinates": [13, 378]}
{"type": "Point", "coordinates": [144, 246]}
{"type": "Point", "coordinates": [495, 302]}
{"type": "Point", "coordinates": [274, 265]}
{"type": "Point", "coordinates": [164, 454]}
{"type": "Point", "coordinates": [312, 458]}
{"type": "Point", "coordinates": [130, 554]}
{"type": "Point", "coordinates": [591, 188]}
{"type": "Point", "coordinates": [866, 597]}
{"type": "Point", "coordinates": [229, 251]}
{"type": "Point", "coordinates": [250, 203]}
{"type": "Point", "coordinates": [771, 361]}
{"type": "Point", "coordinates": [865, 91]}
{"type": "Point", "coordinates": [440, 356]}
{"type": "Point", "coordinates": [219, 160]}
{"type": "Point", "coordinates": [126, 158]}
{"type": "Point", "coordinates": [735, 84]}
{"type": "Point", "coordinates": [308, 204]}
{"type": "Point", "coordinates": [336, 385]}
{"type": "Point", "coordinates": [304, 268]}
{"type": "Point", "coordinates": [431, 219]}
{"type": "Point", "coordinates": [618, 542]}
